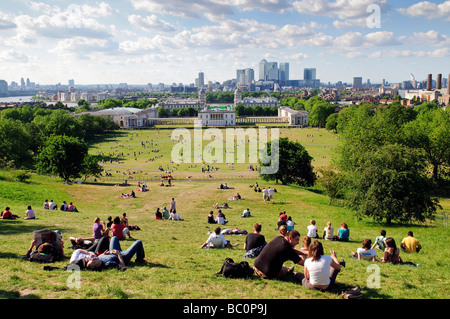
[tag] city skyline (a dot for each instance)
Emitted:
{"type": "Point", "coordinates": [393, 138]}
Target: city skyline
{"type": "Point", "coordinates": [140, 42]}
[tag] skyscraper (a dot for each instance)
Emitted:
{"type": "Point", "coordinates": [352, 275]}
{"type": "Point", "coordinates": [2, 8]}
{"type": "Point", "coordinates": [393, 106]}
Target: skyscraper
{"type": "Point", "coordinates": [262, 69]}
{"type": "Point", "coordinates": [201, 79]}
{"type": "Point", "coordinates": [357, 82]}
{"type": "Point", "coordinates": [309, 74]}
{"type": "Point", "coordinates": [284, 71]}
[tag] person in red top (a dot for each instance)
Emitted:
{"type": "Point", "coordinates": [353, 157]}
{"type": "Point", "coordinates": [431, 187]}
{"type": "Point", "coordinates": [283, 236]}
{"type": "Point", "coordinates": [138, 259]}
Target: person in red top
{"type": "Point", "coordinates": [119, 230]}
{"type": "Point", "coordinates": [282, 219]}
{"type": "Point", "coordinates": [6, 214]}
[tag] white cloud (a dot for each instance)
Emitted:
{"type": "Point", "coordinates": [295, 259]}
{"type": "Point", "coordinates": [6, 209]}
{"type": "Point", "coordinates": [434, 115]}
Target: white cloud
{"type": "Point", "coordinates": [6, 22]}
{"type": "Point", "coordinates": [429, 10]}
{"type": "Point", "coordinates": [12, 56]}
{"type": "Point", "coordinates": [351, 12]}
{"type": "Point", "coordinates": [262, 5]}
{"type": "Point", "coordinates": [431, 37]}
{"type": "Point", "coordinates": [394, 54]}
{"type": "Point", "coordinates": [212, 10]}
{"type": "Point", "coordinates": [151, 23]}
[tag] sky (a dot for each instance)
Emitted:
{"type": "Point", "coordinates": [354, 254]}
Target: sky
{"type": "Point", "coordinates": [171, 41]}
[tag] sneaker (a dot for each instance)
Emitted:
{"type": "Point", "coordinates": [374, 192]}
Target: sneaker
{"type": "Point", "coordinates": [342, 263]}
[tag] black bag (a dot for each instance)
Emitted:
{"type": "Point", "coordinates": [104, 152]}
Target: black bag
{"type": "Point", "coordinates": [230, 269]}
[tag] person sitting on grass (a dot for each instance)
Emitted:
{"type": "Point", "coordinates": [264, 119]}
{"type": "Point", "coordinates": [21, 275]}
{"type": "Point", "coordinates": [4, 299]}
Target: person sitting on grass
{"type": "Point", "coordinates": [158, 214]}
{"type": "Point", "coordinates": [52, 205]}
{"type": "Point", "coordinates": [165, 213]}
{"type": "Point", "coordinates": [246, 213]}
{"type": "Point", "coordinates": [220, 218]}
{"type": "Point", "coordinates": [269, 263]}
{"type": "Point", "coordinates": [29, 214]}
{"type": "Point", "coordinates": [211, 219]}
{"type": "Point", "coordinates": [6, 214]}
{"type": "Point", "coordinates": [216, 240]}
{"type": "Point", "coordinates": [174, 215]}
{"type": "Point", "coordinates": [365, 252]}
{"type": "Point", "coordinates": [320, 270]}
{"type": "Point", "coordinates": [410, 244]}
{"type": "Point", "coordinates": [254, 242]}
{"type": "Point", "coordinates": [380, 241]}
{"type": "Point", "coordinates": [119, 230]}
{"type": "Point", "coordinates": [343, 233]}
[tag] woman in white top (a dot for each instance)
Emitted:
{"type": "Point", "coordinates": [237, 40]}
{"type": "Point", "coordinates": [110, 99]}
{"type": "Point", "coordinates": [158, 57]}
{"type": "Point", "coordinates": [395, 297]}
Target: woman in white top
{"type": "Point", "coordinates": [365, 252]}
{"type": "Point", "coordinates": [312, 230]}
{"type": "Point", "coordinates": [328, 232]}
{"type": "Point", "coordinates": [320, 270]}
{"type": "Point", "coordinates": [29, 213]}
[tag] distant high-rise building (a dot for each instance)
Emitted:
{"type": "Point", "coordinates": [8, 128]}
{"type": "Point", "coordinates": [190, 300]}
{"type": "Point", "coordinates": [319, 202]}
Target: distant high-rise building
{"type": "Point", "coordinates": [3, 88]}
{"type": "Point", "coordinates": [284, 71]}
{"type": "Point", "coordinates": [309, 74]}
{"type": "Point", "coordinates": [357, 82]}
{"type": "Point", "coordinates": [249, 76]}
{"type": "Point", "coordinates": [22, 82]}
{"type": "Point", "coordinates": [71, 82]}
{"type": "Point", "coordinates": [262, 69]}
{"type": "Point", "coordinates": [201, 79]}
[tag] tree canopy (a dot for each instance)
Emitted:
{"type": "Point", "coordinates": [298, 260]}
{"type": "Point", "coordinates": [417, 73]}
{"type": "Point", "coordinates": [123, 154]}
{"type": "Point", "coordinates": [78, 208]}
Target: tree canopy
{"type": "Point", "coordinates": [294, 166]}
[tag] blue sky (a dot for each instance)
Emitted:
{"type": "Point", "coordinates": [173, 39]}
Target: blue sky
{"type": "Point", "coordinates": [153, 41]}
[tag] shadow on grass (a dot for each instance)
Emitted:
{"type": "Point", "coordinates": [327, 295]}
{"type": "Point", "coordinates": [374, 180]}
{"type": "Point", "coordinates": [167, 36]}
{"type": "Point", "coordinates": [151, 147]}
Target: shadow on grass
{"type": "Point", "coordinates": [17, 226]}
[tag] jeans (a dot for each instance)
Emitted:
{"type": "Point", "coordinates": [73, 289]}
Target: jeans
{"type": "Point", "coordinates": [136, 248]}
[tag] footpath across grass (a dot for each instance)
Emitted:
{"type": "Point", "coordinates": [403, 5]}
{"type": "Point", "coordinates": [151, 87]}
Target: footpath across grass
{"type": "Point", "coordinates": [177, 268]}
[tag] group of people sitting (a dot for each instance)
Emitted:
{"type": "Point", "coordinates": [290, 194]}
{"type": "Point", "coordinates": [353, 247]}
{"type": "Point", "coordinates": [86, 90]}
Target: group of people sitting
{"type": "Point", "coordinates": [51, 205]}
{"type": "Point", "coordinates": [391, 253]}
{"type": "Point", "coordinates": [168, 214]}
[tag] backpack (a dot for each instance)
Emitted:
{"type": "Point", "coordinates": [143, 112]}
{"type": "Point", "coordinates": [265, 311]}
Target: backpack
{"type": "Point", "coordinates": [230, 269]}
{"type": "Point", "coordinates": [352, 293]}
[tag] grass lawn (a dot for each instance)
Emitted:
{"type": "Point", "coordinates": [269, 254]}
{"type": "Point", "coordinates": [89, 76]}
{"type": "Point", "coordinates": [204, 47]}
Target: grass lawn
{"type": "Point", "coordinates": [177, 268]}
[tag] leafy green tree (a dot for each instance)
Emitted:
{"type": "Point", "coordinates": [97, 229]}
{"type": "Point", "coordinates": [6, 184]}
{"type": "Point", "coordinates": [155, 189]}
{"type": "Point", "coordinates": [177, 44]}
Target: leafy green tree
{"type": "Point", "coordinates": [390, 185]}
{"type": "Point", "coordinates": [319, 113]}
{"type": "Point", "coordinates": [294, 166]}
{"type": "Point", "coordinates": [430, 132]}
{"type": "Point", "coordinates": [240, 110]}
{"type": "Point", "coordinates": [331, 182]}
{"type": "Point", "coordinates": [163, 112]}
{"type": "Point", "coordinates": [63, 156]}
{"type": "Point", "coordinates": [91, 167]}
{"type": "Point", "coordinates": [15, 144]}
{"type": "Point", "coordinates": [332, 122]}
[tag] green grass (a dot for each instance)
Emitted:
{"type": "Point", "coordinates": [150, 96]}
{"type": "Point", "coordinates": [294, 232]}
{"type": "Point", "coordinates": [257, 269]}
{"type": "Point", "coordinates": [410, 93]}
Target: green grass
{"type": "Point", "coordinates": [177, 268]}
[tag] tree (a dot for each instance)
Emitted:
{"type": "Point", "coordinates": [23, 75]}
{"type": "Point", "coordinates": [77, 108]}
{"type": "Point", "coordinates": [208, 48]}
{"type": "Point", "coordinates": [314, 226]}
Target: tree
{"type": "Point", "coordinates": [331, 182]}
{"type": "Point", "coordinates": [430, 132]}
{"type": "Point", "coordinates": [163, 112]}
{"type": "Point", "coordinates": [63, 156]}
{"type": "Point", "coordinates": [319, 113]}
{"type": "Point", "coordinates": [390, 185]}
{"type": "Point", "coordinates": [91, 167]}
{"type": "Point", "coordinates": [294, 164]}
{"type": "Point", "coordinates": [15, 144]}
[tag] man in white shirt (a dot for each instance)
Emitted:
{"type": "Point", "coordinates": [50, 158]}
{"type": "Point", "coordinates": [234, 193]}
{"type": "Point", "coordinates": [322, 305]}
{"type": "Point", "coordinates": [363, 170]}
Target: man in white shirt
{"type": "Point", "coordinates": [216, 240]}
{"type": "Point", "coordinates": [265, 194]}
{"type": "Point", "coordinates": [51, 205]}
{"type": "Point", "coordinates": [271, 192]}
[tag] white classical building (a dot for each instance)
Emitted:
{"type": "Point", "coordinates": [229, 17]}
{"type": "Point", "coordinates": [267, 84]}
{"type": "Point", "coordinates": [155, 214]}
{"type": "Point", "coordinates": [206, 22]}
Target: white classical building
{"type": "Point", "coordinates": [127, 117]}
{"type": "Point", "coordinates": [295, 117]}
{"type": "Point", "coordinates": [176, 103]}
{"type": "Point", "coordinates": [217, 117]}
{"type": "Point", "coordinates": [268, 101]}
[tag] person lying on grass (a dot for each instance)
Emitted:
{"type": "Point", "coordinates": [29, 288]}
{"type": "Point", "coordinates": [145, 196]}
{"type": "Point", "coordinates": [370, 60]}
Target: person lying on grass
{"type": "Point", "coordinates": [115, 257]}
